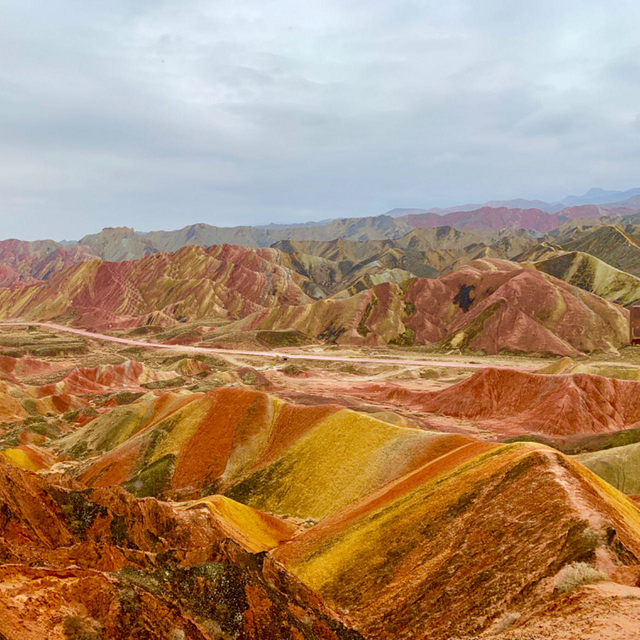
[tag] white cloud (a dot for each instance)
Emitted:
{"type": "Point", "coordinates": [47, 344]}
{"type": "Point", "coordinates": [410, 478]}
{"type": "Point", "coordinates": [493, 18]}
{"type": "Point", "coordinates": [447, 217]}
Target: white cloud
{"type": "Point", "coordinates": [157, 114]}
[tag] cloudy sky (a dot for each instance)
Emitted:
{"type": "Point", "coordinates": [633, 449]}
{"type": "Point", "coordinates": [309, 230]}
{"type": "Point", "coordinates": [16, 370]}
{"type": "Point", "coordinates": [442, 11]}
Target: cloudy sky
{"type": "Point", "coordinates": [157, 114]}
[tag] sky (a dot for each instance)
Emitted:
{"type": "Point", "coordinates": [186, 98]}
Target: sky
{"type": "Point", "coordinates": [155, 114]}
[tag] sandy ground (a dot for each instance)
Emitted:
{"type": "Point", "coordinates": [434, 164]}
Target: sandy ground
{"type": "Point", "coordinates": [297, 354]}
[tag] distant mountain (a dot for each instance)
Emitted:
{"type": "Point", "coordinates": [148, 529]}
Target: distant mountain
{"type": "Point", "coordinates": [497, 218]}
{"type": "Point", "coordinates": [600, 196]}
{"type": "Point", "coordinates": [517, 203]}
{"type": "Point", "coordinates": [125, 243]}
{"type": "Point", "coordinates": [593, 196]}
{"type": "Point", "coordinates": [400, 213]}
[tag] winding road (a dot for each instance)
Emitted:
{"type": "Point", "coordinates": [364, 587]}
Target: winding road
{"type": "Point", "coordinates": [268, 354]}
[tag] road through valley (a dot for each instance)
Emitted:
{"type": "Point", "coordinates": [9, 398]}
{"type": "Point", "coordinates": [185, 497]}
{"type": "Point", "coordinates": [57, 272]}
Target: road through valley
{"type": "Point", "coordinates": [269, 354]}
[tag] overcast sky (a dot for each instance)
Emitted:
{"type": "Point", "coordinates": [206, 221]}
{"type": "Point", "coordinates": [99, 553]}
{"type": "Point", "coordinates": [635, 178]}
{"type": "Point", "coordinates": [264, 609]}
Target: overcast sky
{"type": "Point", "coordinates": [157, 114]}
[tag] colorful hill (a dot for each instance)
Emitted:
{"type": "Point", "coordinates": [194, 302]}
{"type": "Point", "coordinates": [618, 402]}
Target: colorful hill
{"type": "Point", "coordinates": [591, 274]}
{"type": "Point", "coordinates": [619, 466]}
{"type": "Point", "coordinates": [128, 376]}
{"type": "Point", "coordinates": [192, 283]}
{"type": "Point", "coordinates": [101, 564]}
{"type": "Point", "coordinates": [612, 244]}
{"type": "Point", "coordinates": [508, 402]}
{"type": "Point", "coordinates": [332, 524]}
{"type": "Point", "coordinates": [437, 557]}
{"type": "Point", "coordinates": [74, 390]}
{"type": "Point", "coordinates": [488, 305]}
{"type": "Point", "coordinates": [29, 262]}
{"type": "Point", "coordinates": [271, 455]}
{"type": "Point", "coordinates": [255, 531]}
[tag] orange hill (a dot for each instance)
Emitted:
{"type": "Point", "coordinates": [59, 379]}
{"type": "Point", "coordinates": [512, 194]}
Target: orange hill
{"type": "Point", "coordinates": [509, 402]}
{"type": "Point", "coordinates": [449, 554]}
{"type": "Point", "coordinates": [418, 534]}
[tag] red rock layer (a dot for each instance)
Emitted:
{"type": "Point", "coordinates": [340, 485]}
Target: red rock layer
{"type": "Point", "coordinates": [510, 402]}
{"type": "Point", "coordinates": [489, 305]}
{"type": "Point", "coordinates": [29, 262]}
{"type": "Point", "coordinates": [192, 283]}
{"type": "Point", "coordinates": [128, 376]}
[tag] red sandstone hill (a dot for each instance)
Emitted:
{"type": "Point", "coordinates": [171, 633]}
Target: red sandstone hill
{"type": "Point", "coordinates": [488, 305]}
{"type": "Point", "coordinates": [29, 262]}
{"type": "Point", "coordinates": [509, 402]}
{"type": "Point", "coordinates": [222, 281]}
{"type": "Point", "coordinates": [128, 376]}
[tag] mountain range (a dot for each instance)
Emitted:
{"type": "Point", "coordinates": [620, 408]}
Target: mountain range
{"type": "Point", "coordinates": [169, 493]}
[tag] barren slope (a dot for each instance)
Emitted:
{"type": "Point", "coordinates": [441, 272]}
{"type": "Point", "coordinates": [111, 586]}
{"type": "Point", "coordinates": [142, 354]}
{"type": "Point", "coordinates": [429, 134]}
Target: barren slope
{"type": "Point", "coordinates": [488, 305]}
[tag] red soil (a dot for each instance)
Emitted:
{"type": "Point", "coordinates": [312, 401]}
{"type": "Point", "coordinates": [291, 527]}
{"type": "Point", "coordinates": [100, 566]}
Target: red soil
{"type": "Point", "coordinates": [509, 402]}
{"type": "Point", "coordinates": [14, 369]}
{"type": "Point", "coordinates": [512, 308]}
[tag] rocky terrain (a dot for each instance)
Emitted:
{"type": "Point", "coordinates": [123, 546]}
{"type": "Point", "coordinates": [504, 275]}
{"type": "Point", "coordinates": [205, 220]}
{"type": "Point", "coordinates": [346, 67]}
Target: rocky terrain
{"type": "Point", "coordinates": [487, 305]}
{"type": "Point", "coordinates": [154, 494]}
{"type": "Point", "coordinates": [361, 429]}
{"type": "Point", "coordinates": [173, 512]}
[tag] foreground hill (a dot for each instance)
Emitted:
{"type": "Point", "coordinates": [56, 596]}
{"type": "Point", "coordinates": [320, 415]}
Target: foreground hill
{"type": "Point", "coordinates": [373, 531]}
{"type": "Point", "coordinates": [272, 455]}
{"type": "Point", "coordinates": [102, 565]}
{"type": "Point", "coordinates": [420, 549]}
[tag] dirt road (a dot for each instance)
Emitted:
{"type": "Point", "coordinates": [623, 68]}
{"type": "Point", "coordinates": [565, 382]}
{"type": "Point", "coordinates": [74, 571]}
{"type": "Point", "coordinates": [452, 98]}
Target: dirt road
{"type": "Point", "coordinates": [266, 354]}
